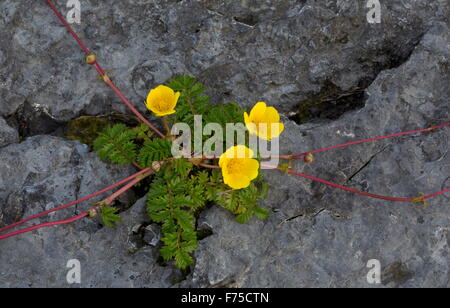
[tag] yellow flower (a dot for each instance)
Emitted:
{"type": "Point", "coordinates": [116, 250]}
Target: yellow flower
{"type": "Point", "coordinates": [238, 167]}
{"type": "Point", "coordinates": [162, 101]}
{"type": "Point", "coordinates": [264, 122]}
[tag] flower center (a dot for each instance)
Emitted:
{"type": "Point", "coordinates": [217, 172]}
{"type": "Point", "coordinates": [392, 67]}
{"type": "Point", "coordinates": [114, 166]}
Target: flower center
{"type": "Point", "coordinates": [163, 105]}
{"type": "Point", "coordinates": [235, 165]}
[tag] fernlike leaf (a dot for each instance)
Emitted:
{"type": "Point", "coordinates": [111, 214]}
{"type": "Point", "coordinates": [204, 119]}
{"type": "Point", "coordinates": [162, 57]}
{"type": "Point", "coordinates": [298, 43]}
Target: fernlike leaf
{"type": "Point", "coordinates": [154, 151]}
{"type": "Point", "coordinates": [108, 216]}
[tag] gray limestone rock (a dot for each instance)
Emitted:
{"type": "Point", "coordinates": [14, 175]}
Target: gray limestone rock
{"type": "Point", "coordinates": [322, 237]}
{"type": "Point", "coordinates": [319, 62]}
{"type": "Point", "coordinates": [8, 134]}
{"type": "Point", "coordinates": [247, 51]}
{"type": "Point", "coordinates": [44, 172]}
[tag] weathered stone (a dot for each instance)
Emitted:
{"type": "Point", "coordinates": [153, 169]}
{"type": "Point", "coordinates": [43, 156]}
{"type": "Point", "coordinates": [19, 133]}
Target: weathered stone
{"type": "Point", "coordinates": [152, 235]}
{"type": "Point", "coordinates": [44, 172]}
{"type": "Point", "coordinates": [322, 237]}
{"type": "Point", "coordinates": [8, 134]}
{"type": "Point", "coordinates": [280, 51]}
{"type": "Point", "coordinates": [317, 61]}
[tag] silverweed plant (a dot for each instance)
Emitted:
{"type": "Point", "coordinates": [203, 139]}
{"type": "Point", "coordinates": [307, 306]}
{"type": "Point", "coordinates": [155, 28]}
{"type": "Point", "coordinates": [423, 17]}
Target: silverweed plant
{"type": "Point", "coordinates": [185, 182]}
{"type": "Point", "coordinates": [182, 187]}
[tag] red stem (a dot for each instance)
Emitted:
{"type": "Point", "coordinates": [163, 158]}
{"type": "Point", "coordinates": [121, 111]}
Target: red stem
{"type": "Point", "coordinates": [350, 189]}
{"type": "Point", "coordinates": [111, 198]}
{"type": "Point", "coordinates": [373, 139]}
{"type": "Point", "coordinates": [130, 106]}
{"type": "Point", "coordinates": [107, 202]}
{"type": "Point", "coordinates": [75, 202]}
{"type": "Point", "coordinates": [357, 191]}
{"type": "Point", "coordinates": [102, 73]}
{"type": "Point", "coordinates": [64, 22]}
{"type": "Point", "coordinates": [44, 225]}
{"type": "Point", "coordinates": [438, 193]}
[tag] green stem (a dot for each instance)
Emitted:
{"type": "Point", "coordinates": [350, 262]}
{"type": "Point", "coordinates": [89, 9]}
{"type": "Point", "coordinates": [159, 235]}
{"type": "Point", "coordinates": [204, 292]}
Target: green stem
{"type": "Point", "coordinates": [189, 101]}
{"type": "Point", "coordinates": [209, 166]}
{"type": "Point", "coordinates": [167, 126]}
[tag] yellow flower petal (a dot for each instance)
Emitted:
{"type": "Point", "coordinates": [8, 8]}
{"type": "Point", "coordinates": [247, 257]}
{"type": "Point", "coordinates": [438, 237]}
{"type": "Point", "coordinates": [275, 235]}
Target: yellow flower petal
{"type": "Point", "coordinates": [238, 167]}
{"type": "Point", "coordinates": [177, 97]}
{"type": "Point", "coordinates": [251, 168]}
{"type": "Point", "coordinates": [240, 151]}
{"type": "Point", "coordinates": [162, 114]}
{"type": "Point", "coordinates": [222, 160]}
{"type": "Point", "coordinates": [278, 131]}
{"type": "Point", "coordinates": [244, 152]}
{"type": "Point", "coordinates": [274, 130]}
{"type": "Point", "coordinates": [271, 115]}
{"type": "Point", "coordinates": [251, 126]}
{"type": "Point", "coordinates": [237, 181]}
{"type": "Point", "coordinates": [257, 113]}
{"type": "Point", "coordinates": [264, 122]}
{"type": "Point", "coordinates": [246, 118]}
{"type": "Point", "coordinates": [263, 131]}
{"type": "Point", "coordinates": [162, 101]}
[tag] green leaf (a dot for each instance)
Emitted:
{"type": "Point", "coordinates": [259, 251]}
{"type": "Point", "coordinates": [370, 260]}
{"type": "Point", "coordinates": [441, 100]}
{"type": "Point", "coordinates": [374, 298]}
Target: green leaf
{"type": "Point", "coordinates": [203, 177]}
{"type": "Point", "coordinates": [182, 259]}
{"type": "Point", "coordinates": [158, 216]}
{"type": "Point", "coordinates": [116, 145]}
{"type": "Point", "coordinates": [244, 217]}
{"type": "Point", "coordinates": [224, 114]}
{"type": "Point", "coordinates": [261, 213]}
{"type": "Point", "coordinates": [191, 101]}
{"type": "Point", "coordinates": [155, 150]}
{"type": "Point", "coordinates": [143, 132]}
{"type": "Point", "coordinates": [185, 219]}
{"type": "Point", "coordinates": [189, 246]}
{"type": "Point", "coordinates": [169, 226]}
{"type": "Point", "coordinates": [181, 82]}
{"type": "Point", "coordinates": [244, 203]}
{"type": "Point", "coordinates": [167, 252]}
{"type": "Point", "coordinates": [196, 90]}
{"type": "Point", "coordinates": [108, 216]}
{"type": "Point", "coordinates": [182, 166]}
{"type": "Point", "coordinates": [216, 176]}
{"type": "Point", "coordinates": [264, 191]}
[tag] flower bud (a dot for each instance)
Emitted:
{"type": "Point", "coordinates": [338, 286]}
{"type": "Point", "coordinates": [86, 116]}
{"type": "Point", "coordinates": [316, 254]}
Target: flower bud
{"type": "Point", "coordinates": [156, 166]}
{"type": "Point", "coordinates": [91, 58]}
{"type": "Point", "coordinates": [309, 158]}
{"type": "Point", "coordinates": [93, 212]}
